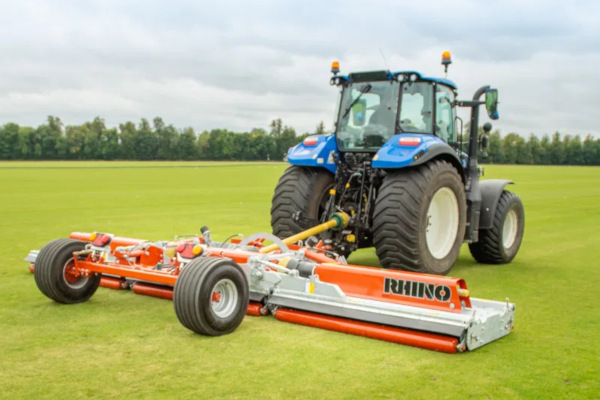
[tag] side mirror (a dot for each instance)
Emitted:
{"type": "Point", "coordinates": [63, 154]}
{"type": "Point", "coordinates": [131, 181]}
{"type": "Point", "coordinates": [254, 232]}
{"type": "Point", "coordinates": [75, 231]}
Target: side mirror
{"type": "Point", "coordinates": [359, 113]}
{"type": "Point", "coordinates": [491, 103]}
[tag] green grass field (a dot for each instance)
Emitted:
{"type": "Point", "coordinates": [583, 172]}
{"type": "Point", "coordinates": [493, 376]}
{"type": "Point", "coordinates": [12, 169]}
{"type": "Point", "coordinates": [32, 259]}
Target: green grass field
{"type": "Point", "coordinates": [122, 345]}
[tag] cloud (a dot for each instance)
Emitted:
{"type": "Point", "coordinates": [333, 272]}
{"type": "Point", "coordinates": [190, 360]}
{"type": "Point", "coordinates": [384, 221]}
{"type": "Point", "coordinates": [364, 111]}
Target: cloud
{"type": "Point", "coordinates": [238, 64]}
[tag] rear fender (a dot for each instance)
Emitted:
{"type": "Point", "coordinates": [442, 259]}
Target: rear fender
{"type": "Point", "coordinates": [424, 148]}
{"type": "Point", "coordinates": [491, 190]}
{"type": "Point", "coordinates": [315, 151]}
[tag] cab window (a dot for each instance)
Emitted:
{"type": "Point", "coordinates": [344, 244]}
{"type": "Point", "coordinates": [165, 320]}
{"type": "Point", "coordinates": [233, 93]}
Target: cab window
{"type": "Point", "coordinates": [444, 114]}
{"type": "Point", "coordinates": [416, 108]}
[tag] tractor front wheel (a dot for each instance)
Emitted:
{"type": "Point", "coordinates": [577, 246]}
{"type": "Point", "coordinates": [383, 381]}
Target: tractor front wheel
{"type": "Point", "coordinates": [500, 243]}
{"type": "Point", "coordinates": [299, 189]}
{"type": "Point", "coordinates": [419, 218]}
{"type": "Point", "coordinates": [211, 296]}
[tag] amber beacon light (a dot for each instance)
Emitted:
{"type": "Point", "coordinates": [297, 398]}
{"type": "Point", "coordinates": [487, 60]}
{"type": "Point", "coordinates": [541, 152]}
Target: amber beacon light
{"type": "Point", "coordinates": [335, 67]}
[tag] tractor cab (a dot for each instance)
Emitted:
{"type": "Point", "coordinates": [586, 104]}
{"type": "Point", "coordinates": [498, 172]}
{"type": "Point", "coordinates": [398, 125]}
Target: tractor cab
{"type": "Point", "coordinates": [376, 105]}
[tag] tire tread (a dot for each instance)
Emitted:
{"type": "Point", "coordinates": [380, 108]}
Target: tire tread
{"type": "Point", "coordinates": [397, 212]}
{"type": "Point", "coordinates": [489, 249]}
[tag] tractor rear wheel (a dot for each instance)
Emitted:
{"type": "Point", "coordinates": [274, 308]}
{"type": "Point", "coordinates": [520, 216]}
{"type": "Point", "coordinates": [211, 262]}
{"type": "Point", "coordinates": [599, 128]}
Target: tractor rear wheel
{"type": "Point", "coordinates": [299, 189]}
{"type": "Point", "coordinates": [500, 243]}
{"type": "Point", "coordinates": [211, 296]}
{"type": "Point", "coordinates": [419, 218]}
{"type": "Point", "coordinates": [55, 273]}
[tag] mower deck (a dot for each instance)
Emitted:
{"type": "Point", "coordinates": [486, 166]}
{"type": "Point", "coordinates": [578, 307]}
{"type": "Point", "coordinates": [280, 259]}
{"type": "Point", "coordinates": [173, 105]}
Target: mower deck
{"type": "Point", "coordinates": [294, 283]}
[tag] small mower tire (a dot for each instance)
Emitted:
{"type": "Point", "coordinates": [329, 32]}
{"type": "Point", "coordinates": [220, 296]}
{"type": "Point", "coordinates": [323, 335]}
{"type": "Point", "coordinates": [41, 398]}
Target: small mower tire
{"type": "Point", "coordinates": [52, 276]}
{"type": "Point", "coordinates": [211, 296]}
{"type": "Point", "coordinates": [500, 243]}
{"type": "Point", "coordinates": [299, 189]}
{"type": "Point", "coordinates": [419, 218]}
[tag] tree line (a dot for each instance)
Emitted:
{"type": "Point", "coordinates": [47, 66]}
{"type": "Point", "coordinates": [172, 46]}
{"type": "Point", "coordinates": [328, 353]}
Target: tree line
{"type": "Point", "coordinates": [159, 141]}
{"type": "Point", "coordinates": [555, 150]}
{"type": "Point", "coordinates": [144, 141]}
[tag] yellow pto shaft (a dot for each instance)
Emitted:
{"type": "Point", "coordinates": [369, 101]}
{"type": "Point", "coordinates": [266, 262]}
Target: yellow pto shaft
{"type": "Point", "coordinates": [338, 221]}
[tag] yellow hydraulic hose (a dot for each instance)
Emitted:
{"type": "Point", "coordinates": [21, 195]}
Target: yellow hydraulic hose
{"type": "Point", "coordinates": [337, 221]}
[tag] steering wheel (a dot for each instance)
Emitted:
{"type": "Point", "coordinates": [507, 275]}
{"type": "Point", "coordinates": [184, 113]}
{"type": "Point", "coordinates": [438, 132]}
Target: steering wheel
{"type": "Point", "coordinates": [375, 134]}
{"type": "Point", "coordinates": [406, 124]}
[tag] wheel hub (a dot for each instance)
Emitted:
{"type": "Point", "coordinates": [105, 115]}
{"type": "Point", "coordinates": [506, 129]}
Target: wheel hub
{"type": "Point", "coordinates": [71, 275]}
{"type": "Point", "coordinates": [224, 298]}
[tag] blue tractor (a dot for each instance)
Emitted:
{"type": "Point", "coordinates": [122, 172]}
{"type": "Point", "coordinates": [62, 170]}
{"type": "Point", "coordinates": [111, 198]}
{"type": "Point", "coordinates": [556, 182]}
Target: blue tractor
{"type": "Point", "coordinates": [398, 165]}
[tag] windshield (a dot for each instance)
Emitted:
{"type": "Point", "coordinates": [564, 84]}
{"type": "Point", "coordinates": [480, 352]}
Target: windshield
{"type": "Point", "coordinates": [367, 115]}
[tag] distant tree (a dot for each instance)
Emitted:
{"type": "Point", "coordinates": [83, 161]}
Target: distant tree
{"type": "Point", "coordinates": [523, 151]}
{"type": "Point", "coordinates": [257, 132]}
{"type": "Point", "coordinates": [276, 127]}
{"type": "Point", "coordinates": [590, 153]}
{"type": "Point", "coordinates": [574, 150]}
{"type": "Point", "coordinates": [48, 136]}
{"type": "Point", "coordinates": [77, 137]}
{"type": "Point", "coordinates": [147, 142]}
{"type": "Point", "coordinates": [495, 155]}
{"type": "Point", "coordinates": [597, 146]}
{"type": "Point", "coordinates": [509, 148]}
{"type": "Point", "coordinates": [110, 146]}
{"type": "Point", "coordinates": [128, 137]}
{"type": "Point", "coordinates": [10, 142]}
{"type": "Point", "coordinates": [187, 148]}
{"type": "Point", "coordinates": [557, 154]}
{"type": "Point", "coordinates": [168, 141]}
{"type": "Point", "coordinates": [27, 142]}
{"type": "Point", "coordinates": [221, 145]}
{"type": "Point", "coordinates": [261, 144]}
{"type": "Point", "coordinates": [320, 130]}
{"type": "Point", "coordinates": [203, 145]}
{"type": "Point", "coordinates": [545, 155]}
{"type": "Point", "coordinates": [95, 139]}
{"type": "Point", "coordinates": [287, 139]}
{"type": "Point", "coordinates": [536, 149]}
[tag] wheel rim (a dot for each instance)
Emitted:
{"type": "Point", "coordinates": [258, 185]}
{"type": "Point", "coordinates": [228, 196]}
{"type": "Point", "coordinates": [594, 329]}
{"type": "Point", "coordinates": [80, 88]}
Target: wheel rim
{"type": "Point", "coordinates": [224, 298]}
{"type": "Point", "coordinates": [71, 277]}
{"type": "Point", "coordinates": [442, 223]}
{"type": "Point", "coordinates": [509, 230]}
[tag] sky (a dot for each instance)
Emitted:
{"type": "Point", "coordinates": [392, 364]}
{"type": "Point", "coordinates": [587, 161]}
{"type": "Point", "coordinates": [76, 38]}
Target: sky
{"type": "Point", "coordinates": [239, 64]}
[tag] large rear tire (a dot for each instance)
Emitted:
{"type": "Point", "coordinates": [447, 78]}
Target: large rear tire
{"type": "Point", "coordinates": [211, 296]}
{"type": "Point", "coordinates": [55, 274]}
{"type": "Point", "coordinates": [299, 189]}
{"type": "Point", "coordinates": [419, 218]}
{"type": "Point", "coordinates": [500, 243]}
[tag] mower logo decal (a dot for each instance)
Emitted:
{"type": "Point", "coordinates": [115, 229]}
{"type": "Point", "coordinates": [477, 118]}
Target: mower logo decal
{"type": "Point", "coordinates": [420, 290]}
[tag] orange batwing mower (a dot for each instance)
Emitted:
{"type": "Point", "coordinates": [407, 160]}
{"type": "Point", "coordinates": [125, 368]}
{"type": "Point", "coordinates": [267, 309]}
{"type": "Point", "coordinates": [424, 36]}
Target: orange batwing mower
{"type": "Point", "coordinates": [214, 285]}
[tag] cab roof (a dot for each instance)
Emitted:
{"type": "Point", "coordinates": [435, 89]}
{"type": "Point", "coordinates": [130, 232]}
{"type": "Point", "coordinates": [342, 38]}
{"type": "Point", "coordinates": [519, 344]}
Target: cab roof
{"type": "Point", "coordinates": [382, 75]}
